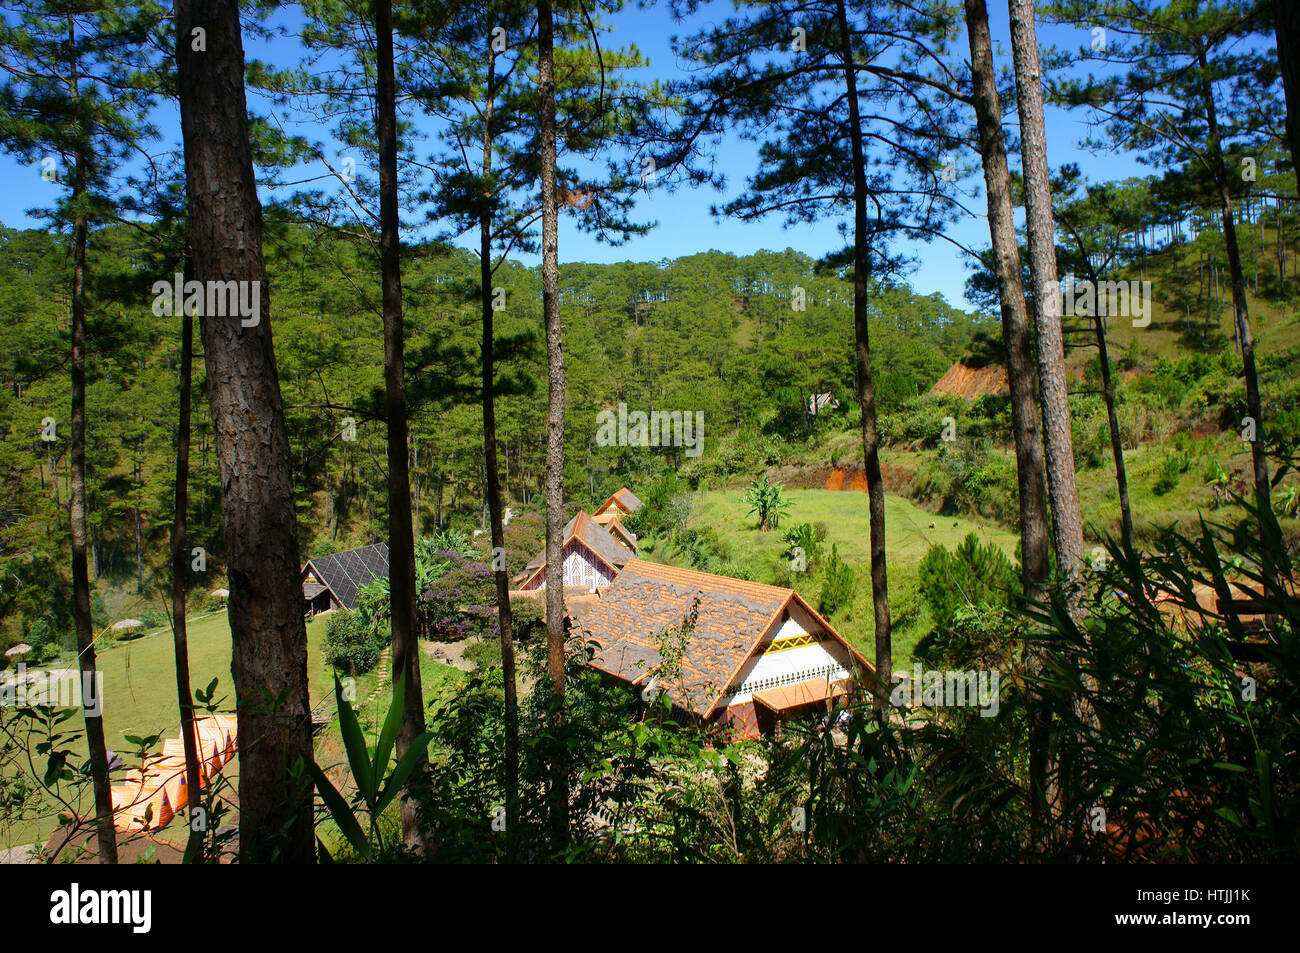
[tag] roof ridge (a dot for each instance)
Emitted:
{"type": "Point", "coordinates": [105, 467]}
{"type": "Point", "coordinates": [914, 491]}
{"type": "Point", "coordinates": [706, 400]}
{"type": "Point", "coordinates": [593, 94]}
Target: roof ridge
{"type": "Point", "coordinates": [664, 570]}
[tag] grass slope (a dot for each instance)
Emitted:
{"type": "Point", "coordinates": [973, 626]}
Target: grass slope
{"type": "Point", "coordinates": [721, 515]}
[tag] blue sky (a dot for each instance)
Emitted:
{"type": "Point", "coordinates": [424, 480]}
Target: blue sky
{"type": "Point", "coordinates": [685, 223]}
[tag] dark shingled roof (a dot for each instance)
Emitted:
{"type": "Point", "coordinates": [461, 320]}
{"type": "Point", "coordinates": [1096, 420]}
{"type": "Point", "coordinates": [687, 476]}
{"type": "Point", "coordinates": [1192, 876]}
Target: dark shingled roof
{"type": "Point", "coordinates": [344, 573]}
{"type": "Point", "coordinates": [594, 536]}
{"type": "Point", "coordinates": [629, 618]}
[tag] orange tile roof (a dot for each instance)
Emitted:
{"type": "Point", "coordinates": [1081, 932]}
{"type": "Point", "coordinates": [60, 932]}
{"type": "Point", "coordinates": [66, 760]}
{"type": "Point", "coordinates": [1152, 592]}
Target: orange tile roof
{"type": "Point", "coordinates": [627, 624]}
{"type": "Point", "coordinates": [592, 535]}
{"type": "Point", "coordinates": [620, 532]}
{"type": "Point", "coordinates": [625, 498]}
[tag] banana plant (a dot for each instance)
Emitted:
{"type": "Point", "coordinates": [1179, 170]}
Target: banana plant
{"type": "Point", "coordinates": [1220, 482]}
{"type": "Point", "coordinates": [374, 791]}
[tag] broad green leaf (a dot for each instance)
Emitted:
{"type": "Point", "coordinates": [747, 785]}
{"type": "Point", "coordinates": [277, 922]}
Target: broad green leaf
{"type": "Point", "coordinates": [340, 811]}
{"type": "Point", "coordinates": [397, 779]}
{"type": "Point", "coordinates": [388, 734]}
{"type": "Point", "coordinates": [355, 743]}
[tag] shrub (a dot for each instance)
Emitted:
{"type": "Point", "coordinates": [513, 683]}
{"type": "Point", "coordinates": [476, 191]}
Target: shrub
{"type": "Point", "coordinates": [526, 617]}
{"type": "Point", "coordinates": [525, 535]}
{"type": "Point", "coordinates": [803, 540]}
{"type": "Point", "coordinates": [666, 507]}
{"type": "Point", "coordinates": [974, 637]}
{"type": "Point", "coordinates": [350, 645]}
{"type": "Point", "coordinates": [734, 570]}
{"type": "Point", "coordinates": [211, 603]}
{"type": "Point", "coordinates": [766, 501]}
{"type": "Point", "coordinates": [154, 618]}
{"type": "Point", "coordinates": [838, 586]}
{"type": "Point", "coordinates": [1167, 475]}
{"type": "Point", "coordinates": [970, 479]}
{"type": "Point", "coordinates": [40, 634]}
{"type": "Point", "coordinates": [975, 574]}
{"type": "Point", "coordinates": [374, 609]}
{"type": "Point", "coordinates": [485, 653]}
{"type": "Point", "coordinates": [460, 602]}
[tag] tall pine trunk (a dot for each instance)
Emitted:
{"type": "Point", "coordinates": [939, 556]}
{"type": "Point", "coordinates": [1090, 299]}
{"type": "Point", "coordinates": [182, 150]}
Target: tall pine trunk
{"type": "Point", "coordinates": [866, 386]}
{"type": "Point", "coordinates": [495, 518]}
{"type": "Point", "coordinates": [559, 794]}
{"type": "Point", "coordinates": [1237, 280]}
{"type": "Point", "coordinates": [1030, 471]}
{"type": "Point", "coordinates": [269, 661]}
{"type": "Point", "coordinates": [401, 536]}
{"type": "Point", "coordinates": [105, 834]}
{"type": "Point", "coordinates": [1058, 442]}
{"type": "Point", "coordinates": [180, 572]}
{"type": "Point", "coordinates": [1116, 440]}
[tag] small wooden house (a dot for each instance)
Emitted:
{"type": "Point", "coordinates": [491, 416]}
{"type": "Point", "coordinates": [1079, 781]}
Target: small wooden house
{"type": "Point", "coordinates": [621, 504]}
{"type": "Point", "coordinates": [592, 558]}
{"type": "Point", "coordinates": [755, 655]}
{"type": "Point", "coordinates": [331, 582]}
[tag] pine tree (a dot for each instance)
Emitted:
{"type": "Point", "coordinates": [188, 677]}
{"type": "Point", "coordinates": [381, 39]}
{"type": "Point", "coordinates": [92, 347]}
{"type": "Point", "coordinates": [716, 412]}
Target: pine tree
{"type": "Point", "coordinates": [261, 532]}
{"type": "Point", "coordinates": [1058, 444]}
{"type": "Point", "coordinates": [401, 545]}
{"type": "Point", "coordinates": [795, 77]}
{"type": "Point", "coordinates": [70, 103]}
{"type": "Point", "coordinates": [1166, 66]}
{"type": "Point", "coordinates": [1286, 26]}
{"type": "Point", "coordinates": [1030, 468]}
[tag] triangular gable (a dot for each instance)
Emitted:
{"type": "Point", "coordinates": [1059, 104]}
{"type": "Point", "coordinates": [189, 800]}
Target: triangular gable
{"type": "Point", "coordinates": [585, 530]}
{"type": "Point", "coordinates": [319, 578]}
{"type": "Point", "coordinates": [618, 530]}
{"type": "Point", "coordinates": [781, 613]}
{"type": "Point", "coordinates": [625, 499]}
{"type": "Point", "coordinates": [594, 557]}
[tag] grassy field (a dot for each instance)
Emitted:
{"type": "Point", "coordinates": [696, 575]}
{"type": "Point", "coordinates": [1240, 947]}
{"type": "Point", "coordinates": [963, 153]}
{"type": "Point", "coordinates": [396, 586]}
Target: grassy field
{"type": "Point", "coordinates": [139, 679]}
{"type": "Point", "coordinates": [909, 530]}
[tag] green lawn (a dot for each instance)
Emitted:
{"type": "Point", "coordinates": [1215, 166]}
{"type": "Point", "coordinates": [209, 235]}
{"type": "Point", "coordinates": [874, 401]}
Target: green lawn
{"type": "Point", "coordinates": [140, 676]}
{"type": "Point", "coordinates": [139, 679]}
{"type": "Point", "coordinates": [908, 537]}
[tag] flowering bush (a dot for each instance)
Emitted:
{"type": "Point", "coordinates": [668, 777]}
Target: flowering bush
{"type": "Point", "coordinates": [460, 601]}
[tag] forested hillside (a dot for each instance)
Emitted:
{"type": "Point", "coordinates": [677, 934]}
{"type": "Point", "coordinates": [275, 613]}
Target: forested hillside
{"type": "Point", "coordinates": [413, 449]}
{"type": "Point", "coordinates": [709, 332]}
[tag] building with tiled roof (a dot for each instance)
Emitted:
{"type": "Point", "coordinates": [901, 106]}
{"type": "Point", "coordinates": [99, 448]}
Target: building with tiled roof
{"type": "Point", "coordinates": [622, 503]}
{"type": "Point", "coordinates": [755, 655]}
{"type": "Point", "coordinates": [591, 558]}
{"type": "Point", "coordinates": [622, 534]}
{"type": "Point", "coordinates": [331, 582]}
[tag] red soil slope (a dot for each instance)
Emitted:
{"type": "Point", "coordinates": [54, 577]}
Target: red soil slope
{"type": "Point", "coordinates": [972, 382]}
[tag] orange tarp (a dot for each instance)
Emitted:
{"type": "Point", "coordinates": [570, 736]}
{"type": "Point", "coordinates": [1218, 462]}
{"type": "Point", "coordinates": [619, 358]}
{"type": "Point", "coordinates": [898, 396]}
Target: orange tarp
{"type": "Point", "coordinates": [800, 693]}
{"type": "Point", "coordinates": [151, 794]}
